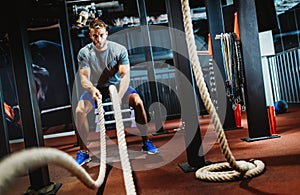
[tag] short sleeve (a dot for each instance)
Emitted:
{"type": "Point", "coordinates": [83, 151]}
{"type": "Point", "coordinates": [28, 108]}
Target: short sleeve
{"type": "Point", "coordinates": [124, 59]}
{"type": "Point", "coordinates": [82, 59]}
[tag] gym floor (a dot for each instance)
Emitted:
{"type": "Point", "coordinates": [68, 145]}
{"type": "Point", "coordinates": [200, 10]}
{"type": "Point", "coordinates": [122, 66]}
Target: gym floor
{"type": "Point", "coordinates": [280, 155]}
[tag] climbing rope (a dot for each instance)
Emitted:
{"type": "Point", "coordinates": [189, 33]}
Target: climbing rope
{"type": "Point", "coordinates": [18, 163]}
{"type": "Point", "coordinates": [232, 169]}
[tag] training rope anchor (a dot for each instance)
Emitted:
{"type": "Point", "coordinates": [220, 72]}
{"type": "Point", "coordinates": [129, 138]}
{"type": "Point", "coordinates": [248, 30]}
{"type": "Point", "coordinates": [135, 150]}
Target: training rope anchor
{"type": "Point", "coordinates": [219, 171]}
{"type": "Point", "coordinates": [18, 163]}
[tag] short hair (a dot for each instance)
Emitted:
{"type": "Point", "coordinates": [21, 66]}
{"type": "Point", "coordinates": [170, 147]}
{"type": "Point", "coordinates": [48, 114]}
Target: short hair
{"type": "Point", "coordinates": [97, 23]}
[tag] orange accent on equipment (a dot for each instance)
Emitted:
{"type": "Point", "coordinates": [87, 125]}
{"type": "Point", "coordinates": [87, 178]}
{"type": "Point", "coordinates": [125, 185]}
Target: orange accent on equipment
{"type": "Point", "coordinates": [236, 26]}
{"type": "Point", "coordinates": [272, 120]}
{"type": "Point", "coordinates": [9, 111]}
{"type": "Point", "coordinates": [210, 52]}
{"type": "Point", "coordinates": [238, 115]}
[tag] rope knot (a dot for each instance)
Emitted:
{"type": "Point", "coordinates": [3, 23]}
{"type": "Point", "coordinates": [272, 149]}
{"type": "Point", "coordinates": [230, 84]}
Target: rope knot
{"type": "Point", "coordinates": [223, 171]}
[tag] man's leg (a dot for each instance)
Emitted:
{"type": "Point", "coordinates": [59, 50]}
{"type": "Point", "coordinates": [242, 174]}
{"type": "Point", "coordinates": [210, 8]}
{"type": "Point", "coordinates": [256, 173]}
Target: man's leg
{"type": "Point", "coordinates": [81, 121]}
{"type": "Point", "coordinates": [141, 119]}
{"type": "Point", "coordinates": [136, 103]}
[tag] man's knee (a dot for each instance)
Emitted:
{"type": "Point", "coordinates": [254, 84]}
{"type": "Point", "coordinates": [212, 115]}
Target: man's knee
{"type": "Point", "coordinates": [83, 108]}
{"type": "Point", "coordinates": [80, 114]}
{"type": "Point", "coordinates": [135, 100]}
{"type": "Point", "coordinates": [78, 110]}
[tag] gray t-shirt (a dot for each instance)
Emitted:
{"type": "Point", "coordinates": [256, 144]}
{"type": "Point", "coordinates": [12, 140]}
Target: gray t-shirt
{"type": "Point", "coordinates": [103, 64]}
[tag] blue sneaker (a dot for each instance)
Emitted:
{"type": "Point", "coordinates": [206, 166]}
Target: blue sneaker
{"type": "Point", "coordinates": [82, 157]}
{"type": "Point", "coordinates": [149, 148]}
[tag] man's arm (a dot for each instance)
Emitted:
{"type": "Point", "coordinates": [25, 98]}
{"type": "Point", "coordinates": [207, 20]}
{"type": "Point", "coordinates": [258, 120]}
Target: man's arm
{"type": "Point", "coordinates": [124, 70]}
{"type": "Point", "coordinates": [84, 74]}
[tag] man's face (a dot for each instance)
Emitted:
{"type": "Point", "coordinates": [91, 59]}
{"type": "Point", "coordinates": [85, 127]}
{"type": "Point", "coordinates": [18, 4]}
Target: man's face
{"type": "Point", "coordinates": [99, 37]}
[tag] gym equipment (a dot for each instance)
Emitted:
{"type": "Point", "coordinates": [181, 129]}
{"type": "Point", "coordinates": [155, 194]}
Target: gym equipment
{"type": "Point", "coordinates": [272, 120]}
{"type": "Point", "coordinates": [238, 115]}
{"type": "Point", "coordinates": [233, 68]}
{"type": "Point", "coordinates": [281, 106]}
{"type": "Point", "coordinates": [233, 169]}
{"type": "Point", "coordinates": [128, 116]}
{"type": "Point", "coordinates": [19, 162]}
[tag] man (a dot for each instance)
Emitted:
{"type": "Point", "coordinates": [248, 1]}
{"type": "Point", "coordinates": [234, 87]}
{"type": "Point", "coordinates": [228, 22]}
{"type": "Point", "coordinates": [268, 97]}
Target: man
{"type": "Point", "coordinates": [103, 63]}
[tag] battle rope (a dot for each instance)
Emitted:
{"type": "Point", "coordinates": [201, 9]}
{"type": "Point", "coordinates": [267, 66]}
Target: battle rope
{"type": "Point", "coordinates": [213, 172]}
{"type": "Point", "coordinates": [127, 173]}
{"type": "Point", "coordinates": [18, 163]}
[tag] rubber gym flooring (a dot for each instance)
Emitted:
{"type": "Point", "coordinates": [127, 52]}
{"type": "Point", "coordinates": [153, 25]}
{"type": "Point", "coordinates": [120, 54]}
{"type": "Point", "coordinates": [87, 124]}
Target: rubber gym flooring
{"type": "Point", "coordinates": [160, 174]}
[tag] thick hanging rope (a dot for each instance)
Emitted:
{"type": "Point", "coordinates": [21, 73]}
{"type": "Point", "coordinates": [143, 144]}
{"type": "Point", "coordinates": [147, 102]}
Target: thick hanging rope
{"type": "Point", "coordinates": [127, 173]}
{"type": "Point", "coordinates": [18, 163]}
{"type": "Point", "coordinates": [238, 169]}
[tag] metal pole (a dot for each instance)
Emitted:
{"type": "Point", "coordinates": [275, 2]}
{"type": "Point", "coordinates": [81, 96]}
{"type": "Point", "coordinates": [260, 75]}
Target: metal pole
{"type": "Point", "coordinates": [141, 6]}
{"type": "Point", "coordinates": [4, 138]}
{"type": "Point", "coordinates": [187, 97]}
{"type": "Point", "coordinates": [26, 91]}
{"type": "Point", "coordinates": [257, 115]}
{"type": "Point", "coordinates": [216, 26]}
{"type": "Point", "coordinates": [69, 64]}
